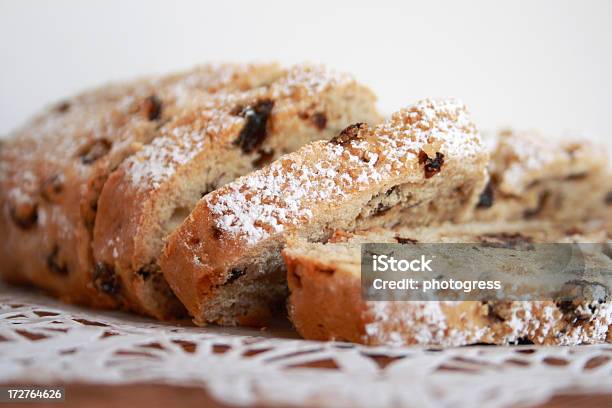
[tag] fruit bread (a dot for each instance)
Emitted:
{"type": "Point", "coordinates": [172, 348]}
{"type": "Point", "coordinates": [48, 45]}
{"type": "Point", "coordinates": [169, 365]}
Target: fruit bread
{"type": "Point", "coordinates": [424, 165]}
{"type": "Point", "coordinates": [326, 303]}
{"type": "Point", "coordinates": [533, 177]}
{"type": "Point", "coordinates": [53, 170]}
{"type": "Point", "coordinates": [199, 150]}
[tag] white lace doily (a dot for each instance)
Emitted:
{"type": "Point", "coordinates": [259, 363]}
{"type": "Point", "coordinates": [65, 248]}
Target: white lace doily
{"type": "Point", "coordinates": [42, 340]}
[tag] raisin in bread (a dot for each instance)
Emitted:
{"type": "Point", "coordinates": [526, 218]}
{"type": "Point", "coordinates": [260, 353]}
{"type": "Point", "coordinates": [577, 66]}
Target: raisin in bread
{"type": "Point", "coordinates": [199, 150]}
{"type": "Point", "coordinates": [426, 164]}
{"type": "Point", "coordinates": [53, 169]}
{"type": "Point", "coordinates": [534, 177]}
{"type": "Point", "coordinates": [326, 297]}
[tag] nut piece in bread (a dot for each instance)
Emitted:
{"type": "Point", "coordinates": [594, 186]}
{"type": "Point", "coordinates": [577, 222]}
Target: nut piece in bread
{"type": "Point", "coordinates": [424, 165]}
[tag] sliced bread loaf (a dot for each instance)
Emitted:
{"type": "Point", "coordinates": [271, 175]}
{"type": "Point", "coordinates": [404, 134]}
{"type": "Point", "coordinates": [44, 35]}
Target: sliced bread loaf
{"type": "Point", "coordinates": [208, 144]}
{"type": "Point", "coordinates": [424, 165]}
{"type": "Point", "coordinates": [53, 169]}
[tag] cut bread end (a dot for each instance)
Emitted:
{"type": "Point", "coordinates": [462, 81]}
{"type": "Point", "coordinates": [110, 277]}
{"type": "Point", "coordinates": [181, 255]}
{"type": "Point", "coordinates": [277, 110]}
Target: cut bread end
{"type": "Point", "coordinates": [326, 300]}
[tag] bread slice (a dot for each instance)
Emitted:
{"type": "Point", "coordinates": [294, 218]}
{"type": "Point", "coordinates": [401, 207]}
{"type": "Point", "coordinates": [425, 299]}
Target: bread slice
{"type": "Point", "coordinates": [207, 145]}
{"type": "Point", "coordinates": [53, 169]}
{"type": "Point", "coordinates": [326, 299]}
{"type": "Point", "coordinates": [534, 177]}
{"type": "Point", "coordinates": [424, 165]}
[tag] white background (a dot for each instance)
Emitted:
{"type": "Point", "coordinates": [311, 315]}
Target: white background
{"type": "Point", "coordinates": [529, 64]}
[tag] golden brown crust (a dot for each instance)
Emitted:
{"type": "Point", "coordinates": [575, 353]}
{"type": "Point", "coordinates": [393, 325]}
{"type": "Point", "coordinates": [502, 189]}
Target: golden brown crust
{"type": "Point", "coordinates": [325, 306]}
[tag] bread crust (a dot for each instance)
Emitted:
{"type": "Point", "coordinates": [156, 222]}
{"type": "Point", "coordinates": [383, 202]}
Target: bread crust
{"type": "Point", "coordinates": [325, 301]}
{"type": "Point", "coordinates": [326, 306]}
{"type": "Point", "coordinates": [403, 171]}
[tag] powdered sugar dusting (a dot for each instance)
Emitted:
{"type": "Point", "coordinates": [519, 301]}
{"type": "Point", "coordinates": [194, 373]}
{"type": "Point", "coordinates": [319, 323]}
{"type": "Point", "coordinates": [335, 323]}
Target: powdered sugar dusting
{"type": "Point", "coordinates": [403, 323]}
{"type": "Point", "coordinates": [159, 160]}
{"type": "Point", "coordinates": [522, 157]}
{"type": "Point", "coordinates": [80, 140]}
{"type": "Point", "coordinates": [308, 80]}
{"type": "Point", "coordinates": [425, 320]}
{"type": "Point", "coordinates": [211, 117]}
{"type": "Point", "coordinates": [326, 174]}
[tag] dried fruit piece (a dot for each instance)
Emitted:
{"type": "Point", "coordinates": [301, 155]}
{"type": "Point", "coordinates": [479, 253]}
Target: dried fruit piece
{"type": "Point", "coordinates": [233, 275]}
{"type": "Point", "coordinates": [265, 157]}
{"type": "Point", "coordinates": [217, 233]}
{"type": "Point", "coordinates": [254, 131]}
{"type": "Point", "coordinates": [486, 197]}
{"type": "Point", "coordinates": [382, 208]}
{"type": "Point", "coordinates": [432, 166]}
{"type": "Point", "coordinates": [24, 215]}
{"type": "Point", "coordinates": [499, 310]}
{"type": "Point", "coordinates": [152, 108]}
{"type": "Point", "coordinates": [147, 271]}
{"type": "Point", "coordinates": [106, 280]}
{"type": "Point", "coordinates": [52, 187]}
{"type": "Point", "coordinates": [54, 264]}
{"type": "Point", "coordinates": [401, 240]}
{"type": "Point", "coordinates": [62, 107]}
{"type": "Point", "coordinates": [319, 119]}
{"type": "Point", "coordinates": [95, 150]}
{"type": "Point", "coordinates": [348, 134]}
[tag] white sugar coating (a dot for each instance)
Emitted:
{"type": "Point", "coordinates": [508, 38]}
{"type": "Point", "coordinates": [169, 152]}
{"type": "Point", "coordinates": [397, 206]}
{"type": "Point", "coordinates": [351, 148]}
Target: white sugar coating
{"type": "Point", "coordinates": [213, 77]}
{"type": "Point", "coordinates": [540, 319]}
{"type": "Point", "coordinates": [18, 196]}
{"type": "Point", "coordinates": [58, 136]}
{"type": "Point", "coordinates": [520, 157]}
{"type": "Point", "coordinates": [113, 112]}
{"type": "Point", "coordinates": [323, 172]}
{"type": "Point", "coordinates": [160, 159]}
{"type": "Point", "coordinates": [309, 80]}
{"type": "Point", "coordinates": [537, 320]}
{"type": "Point", "coordinates": [426, 321]}
{"type": "Point", "coordinates": [215, 123]}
